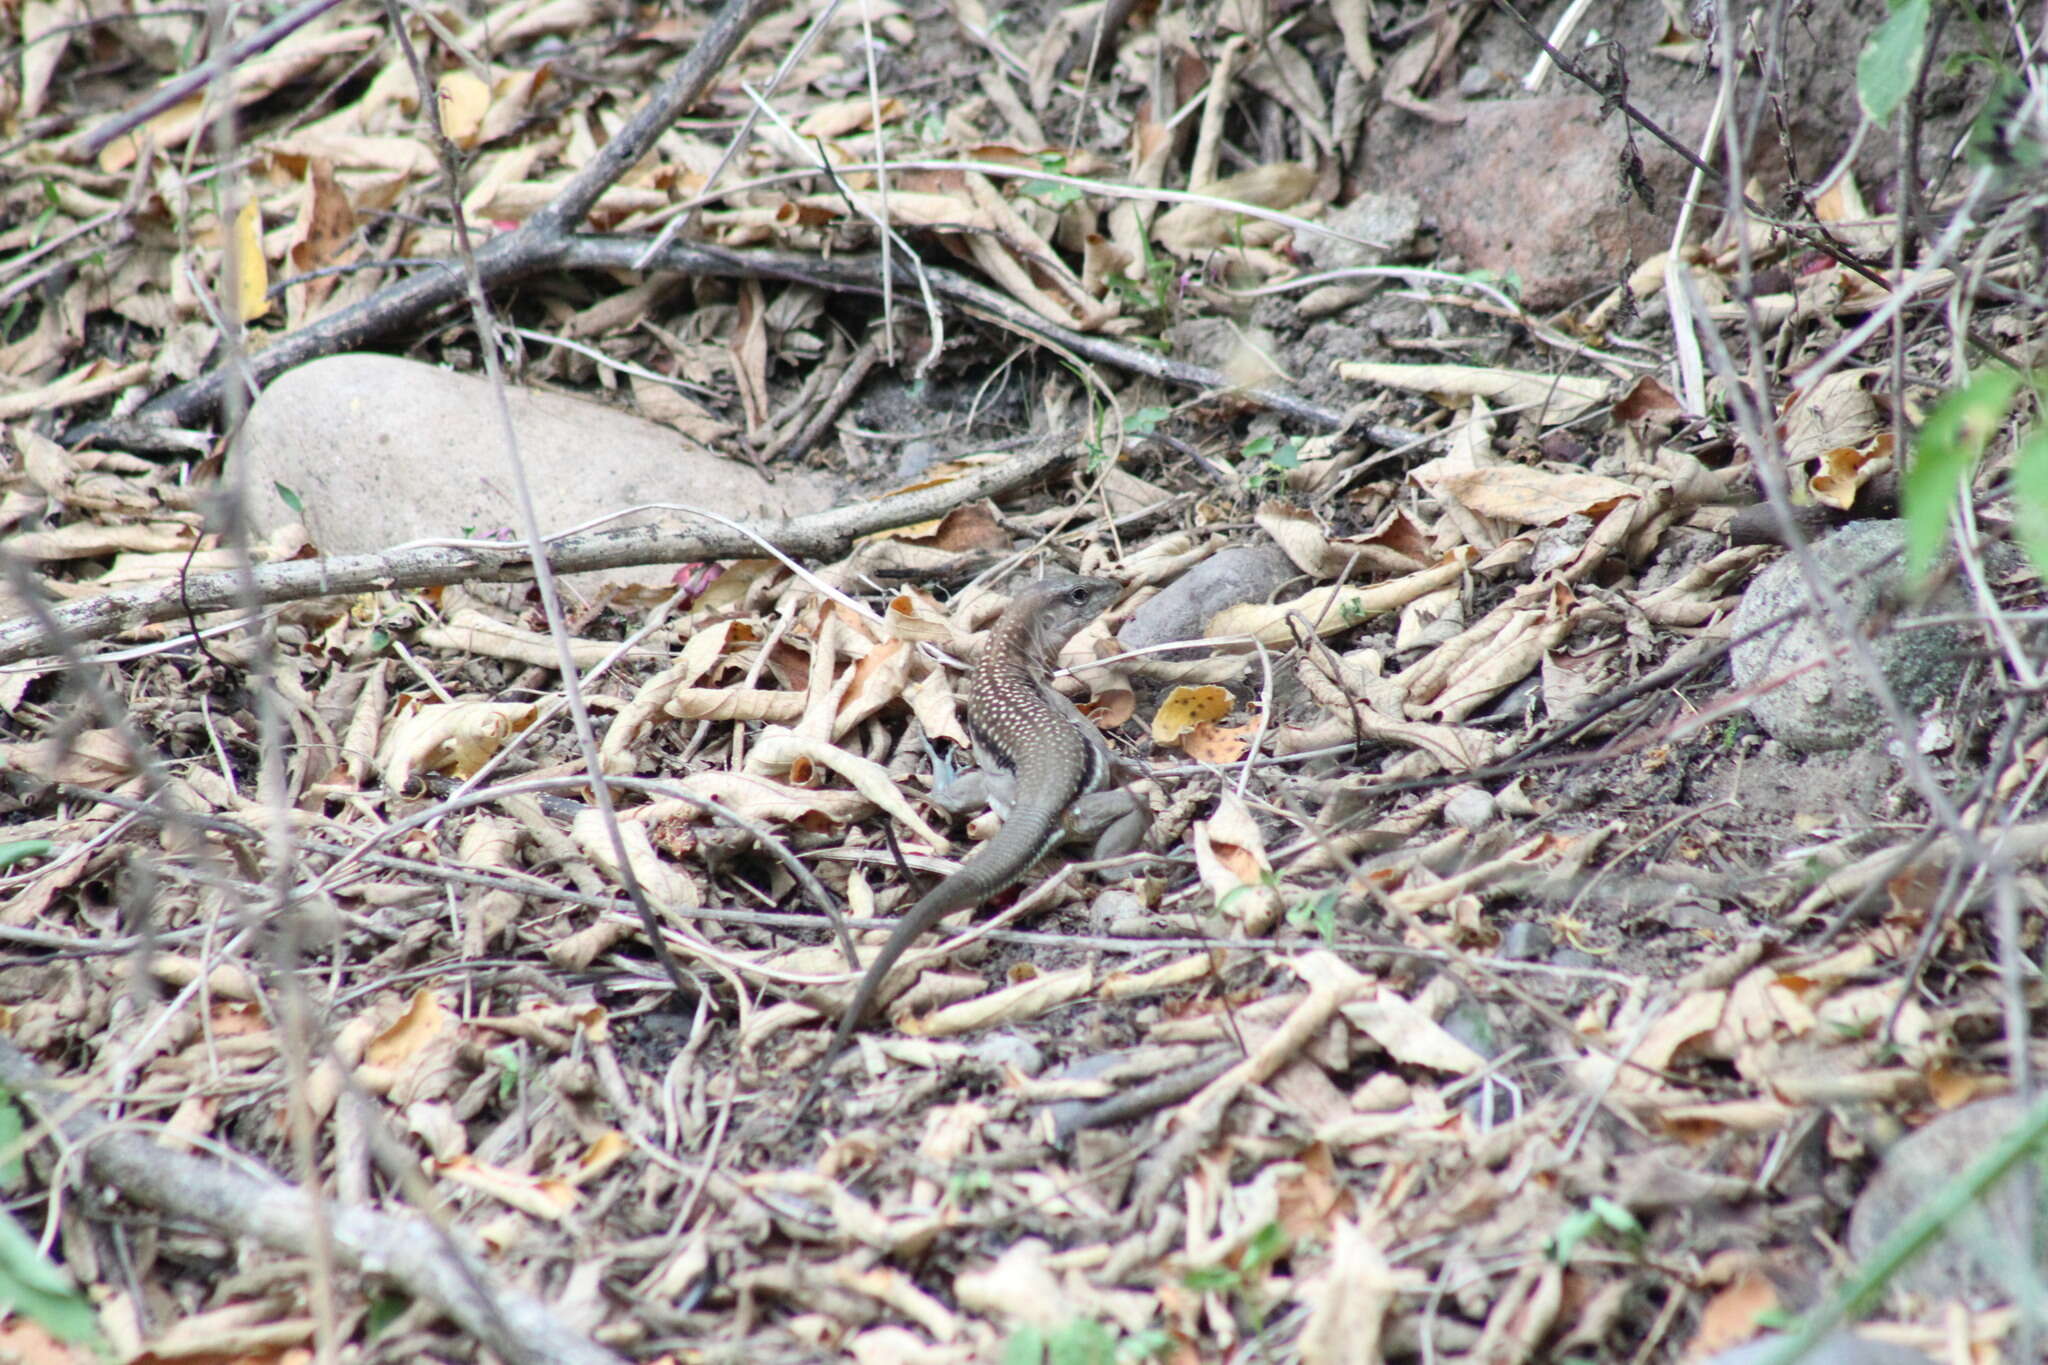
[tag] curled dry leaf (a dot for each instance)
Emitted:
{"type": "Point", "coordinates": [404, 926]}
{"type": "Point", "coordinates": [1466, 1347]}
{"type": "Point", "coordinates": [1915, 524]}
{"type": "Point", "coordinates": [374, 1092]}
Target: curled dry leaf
{"type": "Point", "coordinates": [245, 266]}
{"type": "Point", "coordinates": [1840, 473]}
{"type": "Point", "coordinates": [460, 100]}
{"type": "Point", "coordinates": [1348, 1299]}
{"type": "Point", "coordinates": [1407, 1034]}
{"type": "Point", "coordinates": [1110, 707]}
{"type": "Point", "coordinates": [665, 884]}
{"type": "Point", "coordinates": [828, 121]}
{"type": "Point", "coordinates": [1647, 403]}
{"type": "Point", "coordinates": [91, 540]}
{"type": "Point", "coordinates": [97, 759]}
{"type": "Point", "coordinates": [1556, 398]}
{"type": "Point", "coordinates": [1841, 410]}
{"type": "Point", "coordinates": [1230, 858]}
{"type": "Point", "coordinates": [253, 79]}
{"type": "Point", "coordinates": [451, 737]}
{"type": "Point", "coordinates": [1340, 607]}
{"type": "Point", "coordinates": [913, 617]}
{"type": "Point", "coordinates": [779, 750]}
{"type": "Point", "coordinates": [1190, 229]}
{"type": "Point", "coordinates": [878, 680]}
{"type": "Point", "coordinates": [735, 703]}
{"type": "Point", "coordinates": [1209, 742]}
{"type": "Point", "coordinates": [543, 1197]}
{"type": "Point", "coordinates": [1038, 994]}
{"type": "Point", "coordinates": [1533, 497]}
{"type": "Point", "coordinates": [761, 798]}
{"type": "Point", "coordinates": [1396, 547]}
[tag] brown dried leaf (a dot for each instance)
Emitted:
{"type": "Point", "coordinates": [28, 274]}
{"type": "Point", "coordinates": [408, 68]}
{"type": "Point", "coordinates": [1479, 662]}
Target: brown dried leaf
{"type": "Point", "coordinates": [1533, 497]}
{"type": "Point", "coordinates": [1336, 608]}
{"type": "Point", "coordinates": [449, 737]}
{"type": "Point", "coordinates": [1190, 229]}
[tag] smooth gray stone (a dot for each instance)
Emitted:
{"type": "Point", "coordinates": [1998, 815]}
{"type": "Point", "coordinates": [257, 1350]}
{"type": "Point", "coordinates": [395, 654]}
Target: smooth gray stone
{"type": "Point", "coordinates": [1242, 573]}
{"type": "Point", "coordinates": [1964, 1263]}
{"type": "Point", "coordinates": [1839, 1349]}
{"type": "Point", "coordinates": [1830, 708]}
{"type": "Point", "coordinates": [381, 451]}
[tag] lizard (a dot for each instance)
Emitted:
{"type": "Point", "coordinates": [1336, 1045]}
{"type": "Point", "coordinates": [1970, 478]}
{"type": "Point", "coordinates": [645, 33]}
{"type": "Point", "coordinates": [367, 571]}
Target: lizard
{"type": "Point", "coordinates": [1042, 765]}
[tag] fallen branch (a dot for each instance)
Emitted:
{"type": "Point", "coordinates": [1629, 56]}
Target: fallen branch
{"type": "Point", "coordinates": [409, 1252]}
{"type": "Point", "coordinates": [819, 537]}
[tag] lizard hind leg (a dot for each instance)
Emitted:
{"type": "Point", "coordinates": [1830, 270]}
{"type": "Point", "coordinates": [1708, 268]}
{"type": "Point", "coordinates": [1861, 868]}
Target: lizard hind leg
{"type": "Point", "coordinates": [1115, 820]}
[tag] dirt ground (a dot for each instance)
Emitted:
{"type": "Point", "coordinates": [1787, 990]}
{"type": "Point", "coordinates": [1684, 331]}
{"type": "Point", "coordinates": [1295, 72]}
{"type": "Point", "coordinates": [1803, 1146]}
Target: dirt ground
{"type": "Point", "coordinates": [1492, 985]}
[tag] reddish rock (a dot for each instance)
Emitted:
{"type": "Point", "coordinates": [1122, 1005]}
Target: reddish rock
{"type": "Point", "coordinates": [1533, 188]}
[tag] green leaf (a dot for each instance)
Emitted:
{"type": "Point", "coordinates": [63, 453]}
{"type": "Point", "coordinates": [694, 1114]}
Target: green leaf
{"type": "Point", "coordinates": [385, 1310]}
{"type": "Point", "coordinates": [1212, 1279]}
{"type": "Point", "coordinates": [1617, 1218]}
{"type": "Point", "coordinates": [291, 499]}
{"type": "Point", "coordinates": [1082, 1342]}
{"type": "Point", "coordinates": [1145, 421]}
{"type": "Point", "coordinates": [1026, 1346]}
{"type": "Point", "coordinates": [1318, 912]}
{"type": "Point", "coordinates": [1153, 1341]}
{"type": "Point", "coordinates": [1954, 435]}
{"type": "Point", "coordinates": [2030, 500]}
{"type": "Point", "coordinates": [21, 850]}
{"type": "Point", "coordinates": [40, 1291]}
{"type": "Point", "coordinates": [1574, 1230]}
{"type": "Point", "coordinates": [1058, 196]}
{"type": "Point", "coordinates": [1268, 1245]}
{"type": "Point", "coordinates": [1260, 446]}
{"type": "Point", "coordinates": [10, 1138]}
{"type": "Point", "coordinates": [1890, 61]}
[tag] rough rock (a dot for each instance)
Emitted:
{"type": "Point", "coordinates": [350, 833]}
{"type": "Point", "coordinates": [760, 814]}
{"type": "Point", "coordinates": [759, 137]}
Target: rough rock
{"type": "Point", "coordinates": [1830, 708]}
{"type": "Point", "coordinates": [1922, 1163]}
{"type": "Point", "coordinates": [1533, 188]}
{"type": "Point", "coordinates": [381, 451]}
{"type": "Point", "coordinates": [1389, 221]}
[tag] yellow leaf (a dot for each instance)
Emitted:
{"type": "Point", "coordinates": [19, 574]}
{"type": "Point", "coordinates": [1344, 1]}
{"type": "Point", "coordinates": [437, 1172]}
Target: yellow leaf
{"type": "Point", "coordinates": [251, 275]}
{"type": "Point", "coordinates": [1185, 708]}
{"type": "Point", "coordinates": [463, 100]}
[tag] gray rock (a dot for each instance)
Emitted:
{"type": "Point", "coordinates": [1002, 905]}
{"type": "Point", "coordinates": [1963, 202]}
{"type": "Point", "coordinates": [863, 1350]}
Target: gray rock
{"type": "Point", "coordinates": [1390, 220]}
{"type": "Point", "coordinates": [381, 451]}
{"type": "Point", "coordinates": [1830, 708]}
{"type": "Point", "coordinates": [1526, 941]}
{"type": "Point", "coordinates": [1242, 573]}
{"type": "Point", "coordinates": [1469, 808]}
{"type": "Point", "coordinates": [916, 457]}
{"type": "Point", "coordinates": [1963, 1264]}
{"type": "Point", "coordinates": [1008, 1049]}
{"type": "Point", "coordinates": [1839, 1349]}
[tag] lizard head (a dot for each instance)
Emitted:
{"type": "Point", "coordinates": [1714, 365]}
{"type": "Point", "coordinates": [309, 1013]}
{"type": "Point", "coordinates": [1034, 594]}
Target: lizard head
{"type": "Point", "coordinates": [1046, 614]}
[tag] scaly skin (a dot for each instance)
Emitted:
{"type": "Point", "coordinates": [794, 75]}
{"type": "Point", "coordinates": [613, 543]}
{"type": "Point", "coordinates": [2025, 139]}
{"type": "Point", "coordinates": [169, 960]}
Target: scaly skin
{"type": "Point", "coordinates": [1025, 730]}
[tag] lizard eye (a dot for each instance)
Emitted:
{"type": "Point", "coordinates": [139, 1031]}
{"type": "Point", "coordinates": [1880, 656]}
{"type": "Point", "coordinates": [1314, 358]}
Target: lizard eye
{"type": "Point", "coordinates": [1078, 595]}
